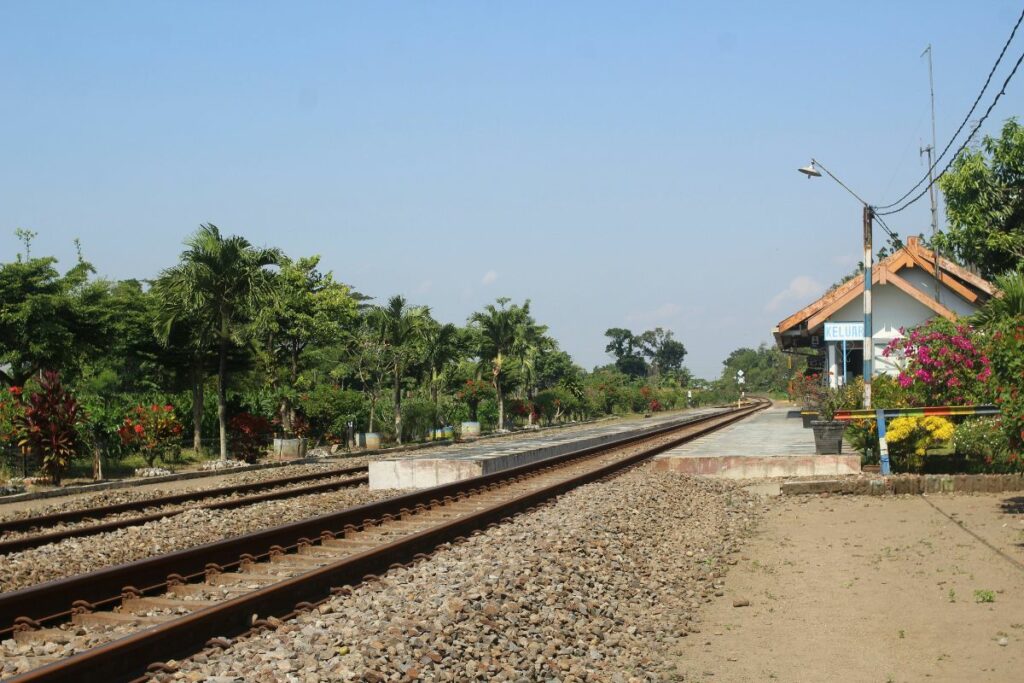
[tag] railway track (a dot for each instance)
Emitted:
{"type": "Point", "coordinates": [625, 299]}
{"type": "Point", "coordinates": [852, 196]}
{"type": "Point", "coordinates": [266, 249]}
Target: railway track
{"type": "Point", "coordinates": [112, 624]}
{"type": "Point", "coordinates": [231, 497]}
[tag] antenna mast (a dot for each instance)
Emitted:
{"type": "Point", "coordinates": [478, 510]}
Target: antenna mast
{"type": "Point", "coordinates": [932, 190]}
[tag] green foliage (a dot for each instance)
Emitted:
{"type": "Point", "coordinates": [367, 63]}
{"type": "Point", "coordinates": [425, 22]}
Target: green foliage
{"type": "Point", "coordinates": [45, 318]}
{"type": "Point", "coordinates": [1006, 350]}
{"type": "Point", "coordinates": [330, 408]}
{"type": "Point", "coordinates": [1009, 305]}
{"type": "Point", "coordinates": [981, 443]}
{"type": "Point", "coordinates": [218, 286]}
{"type": "Point", "coordinates": [503, 332]}
{"type": "Point", "coordinates": [487, 414]}
{"type": "Point", "coordinates": [400, 329]}
{"type": "Point", "coordinates": [419, 417]}
{"type": "Point", "coordinates": [765, 369]}
{"type": "Point", "coordinates": [153, 431]}
{"type": "Point", "coordinates": [652, 352]}
{"type": "Point", "coordinates": [984, 193]}
{"type": "Point", "coordinates": [307, 308]}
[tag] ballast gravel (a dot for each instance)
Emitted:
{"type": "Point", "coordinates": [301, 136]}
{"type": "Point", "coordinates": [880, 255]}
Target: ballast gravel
{"type": "Point", "coordinates": [191, 528]}
{"type": "Point", "coordinates": [130, 495]}
{"type": "Point", "coordinates": [590, 588]}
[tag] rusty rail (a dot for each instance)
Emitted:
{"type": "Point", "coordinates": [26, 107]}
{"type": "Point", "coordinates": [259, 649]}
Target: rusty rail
{"type": "Point", "coordinates": [129, 656]}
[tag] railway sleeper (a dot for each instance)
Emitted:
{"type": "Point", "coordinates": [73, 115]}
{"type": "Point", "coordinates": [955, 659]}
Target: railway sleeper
{"type": "Point", "coordinates": [242, 579]}
{"type": "Point", "coordinates": [136, 605]}
{"type": "Point", "coordinates": [43, 635]}
{"type": "Point", "coordinates": [117, 619]}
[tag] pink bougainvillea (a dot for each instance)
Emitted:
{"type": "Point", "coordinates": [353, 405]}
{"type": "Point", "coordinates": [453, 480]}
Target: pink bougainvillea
{"type": "Point", "coordinates": [942, 364]}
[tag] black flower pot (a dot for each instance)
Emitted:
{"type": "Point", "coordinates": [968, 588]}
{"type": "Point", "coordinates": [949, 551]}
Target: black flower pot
{"type": "Point", "coordinates": [828, 436]}
{"type": "Point", "coordinates": [808, 416]}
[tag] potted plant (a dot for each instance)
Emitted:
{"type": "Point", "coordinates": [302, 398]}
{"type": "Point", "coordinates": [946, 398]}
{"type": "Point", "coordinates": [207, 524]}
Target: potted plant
{"type": "Point", "coordinates": [828, 432]}
{"type": "Point", "coordinates": [808, 390]}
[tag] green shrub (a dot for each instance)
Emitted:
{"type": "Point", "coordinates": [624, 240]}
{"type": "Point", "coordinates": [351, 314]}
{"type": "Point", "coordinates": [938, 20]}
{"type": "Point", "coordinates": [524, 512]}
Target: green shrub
{"type": "Point", "coordinates": [981, 442]}
{"type": "Point", "coordinates": [487, 414]}
{"type": "Point", "coordinates": [418, 419]}
{"type": "Point", "coordinates": [330, 409]}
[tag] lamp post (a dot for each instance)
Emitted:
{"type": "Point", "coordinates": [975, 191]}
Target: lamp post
{"type": "Point", "coordinates": [869, 347]}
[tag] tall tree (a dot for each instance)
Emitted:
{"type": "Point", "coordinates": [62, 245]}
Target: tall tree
{"type": "Point", "coordinates": [624, 345]}
{"type": "Point", "coordinates": [499, 330]}
{"type": "Point", "coordinates": [400, 328]}
{"type": "Point", "coordinates": [441, 348]}
{"type": "Point", "coordinates": [308, 308]}
{"type": "Point", "coordinates": [221, 281]}
{"type": "Point", "coordinates": [45, 320]}
{"type": "Point", "coordinates": [530, 345]}
{"type": "Point", "coordinates": [664, 353]}
{"type": "Point", "coordinates": [984, 193]}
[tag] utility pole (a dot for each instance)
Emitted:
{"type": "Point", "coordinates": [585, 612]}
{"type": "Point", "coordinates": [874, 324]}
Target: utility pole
{"type": "Point", "coordinates": [932, 190]}
{"type": "Point", "coordinates": [869, 344]}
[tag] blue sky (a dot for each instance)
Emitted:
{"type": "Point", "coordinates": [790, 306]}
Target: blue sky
{"type": "Point", "coordinates": [620, 164]}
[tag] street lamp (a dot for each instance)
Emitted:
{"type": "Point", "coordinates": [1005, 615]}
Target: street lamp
{"type": "Point", "coordinates": [811, 171]}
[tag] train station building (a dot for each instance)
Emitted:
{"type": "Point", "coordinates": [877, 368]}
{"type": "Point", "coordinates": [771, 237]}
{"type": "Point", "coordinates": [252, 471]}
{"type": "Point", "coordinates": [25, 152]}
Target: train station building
{"type": "Point", "coordinates": [908, 288]}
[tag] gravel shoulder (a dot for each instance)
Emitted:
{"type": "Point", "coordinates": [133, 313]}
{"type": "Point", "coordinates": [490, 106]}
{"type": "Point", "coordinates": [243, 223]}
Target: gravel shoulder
{"type": "Point", "coordinates": [872, 589]}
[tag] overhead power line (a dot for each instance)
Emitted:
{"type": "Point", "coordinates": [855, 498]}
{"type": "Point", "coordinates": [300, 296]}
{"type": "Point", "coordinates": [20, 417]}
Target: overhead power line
{"type": "Point", "coordinates": [967, 118]}
{"type": "Point", "coordinates": [963, 145]}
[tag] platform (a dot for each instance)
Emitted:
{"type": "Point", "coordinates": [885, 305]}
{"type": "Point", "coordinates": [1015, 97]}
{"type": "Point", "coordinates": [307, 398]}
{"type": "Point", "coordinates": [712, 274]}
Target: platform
{"type": "Point", "coordinates": [770, 443]}
{"type": "Point", "coordinates": [472, 460]}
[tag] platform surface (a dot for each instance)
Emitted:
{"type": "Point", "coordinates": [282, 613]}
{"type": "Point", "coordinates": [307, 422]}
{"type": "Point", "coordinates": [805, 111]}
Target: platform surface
{"type": "Point", "coordinates": [484, 457]}
{"type": "Point", "coordinates": [771, 443]}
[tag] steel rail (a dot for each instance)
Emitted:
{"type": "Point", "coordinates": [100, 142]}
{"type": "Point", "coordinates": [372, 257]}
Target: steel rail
{"type": "Point", "coordinates": [129, 655]}
{"type": "Point", "coordinates": [26, 542]}
{"type": "Point", "coordinates": [39, 521]}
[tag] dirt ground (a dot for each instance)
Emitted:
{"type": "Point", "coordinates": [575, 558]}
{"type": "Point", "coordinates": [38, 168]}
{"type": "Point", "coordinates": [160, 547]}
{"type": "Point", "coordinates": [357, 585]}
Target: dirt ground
{"type": "Point", "coordinates": [872, 589]}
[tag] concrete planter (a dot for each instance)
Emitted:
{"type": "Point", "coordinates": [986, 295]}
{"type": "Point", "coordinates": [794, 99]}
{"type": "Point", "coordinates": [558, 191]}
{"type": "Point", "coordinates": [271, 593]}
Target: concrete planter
{"type": "Point", "coordinates": [369, 440]}
{"type": "Point", "coordinates": [828, 436]}
{"type": "Point", "coordinates": [808, 416]}
{"type": "Point", "coordinates": [289, 449]}
{"type": "Point", "coordinates": [442, 433]}
{"type": "Point", "coordinates": [470, 430]}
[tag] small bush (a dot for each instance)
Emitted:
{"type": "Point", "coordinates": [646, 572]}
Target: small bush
{"type": "Point", "coordinates": [154, 430]}
{"type": "Point", "coordinates": [49, 426]}
{"type": "Point", "coordinates": [249, 436]}
{"type": "Point", "coordinates": [487, 414]}
{"type": "Point", "coordinates": [418, 418]}
{"type": "Point", "coordinates": [910, 438]}
{"type": "Point", "coordinates": [981, 442]}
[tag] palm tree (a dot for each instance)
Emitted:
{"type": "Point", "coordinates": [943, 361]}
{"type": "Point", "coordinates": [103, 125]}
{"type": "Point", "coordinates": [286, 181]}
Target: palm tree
{"type": "Point", "coordinates": [1008, 303]}
{"type": "Point", "coordinates": [440, 349]}
{"type": "Point", "coordinates": [220, 281]}
{"type": "Point", "coordinates": [530, 344]}
{"type": "Point", "coordinates": [500, 330]}
{"type": "Point", "coordinates": [400, 328]}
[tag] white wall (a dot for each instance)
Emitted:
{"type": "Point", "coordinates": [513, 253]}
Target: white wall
{"type": "Point", "coordinates": [892, 308]}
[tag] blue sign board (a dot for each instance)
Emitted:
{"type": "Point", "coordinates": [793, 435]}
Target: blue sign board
{"type": "Point", "coordinates": [844, 331]}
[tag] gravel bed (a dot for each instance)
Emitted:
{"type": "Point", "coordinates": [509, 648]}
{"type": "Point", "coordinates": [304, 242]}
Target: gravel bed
{"type": "Point", "coordinates": [116, 496]}
{"type": "Point", "coordinates": [591, 588]}
{"type": "Point", "coordinates": [166, 509]}
{"type": "Point", "coordinates": [191, 528]}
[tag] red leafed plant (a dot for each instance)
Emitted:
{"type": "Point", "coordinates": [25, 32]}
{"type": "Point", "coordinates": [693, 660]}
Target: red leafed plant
{"type": "Point", "coordinates": [249, 436]}
{"type": "Point", "coordinates": [154, 430]}
{"type": "Point", "coordinates": [48, 425]}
